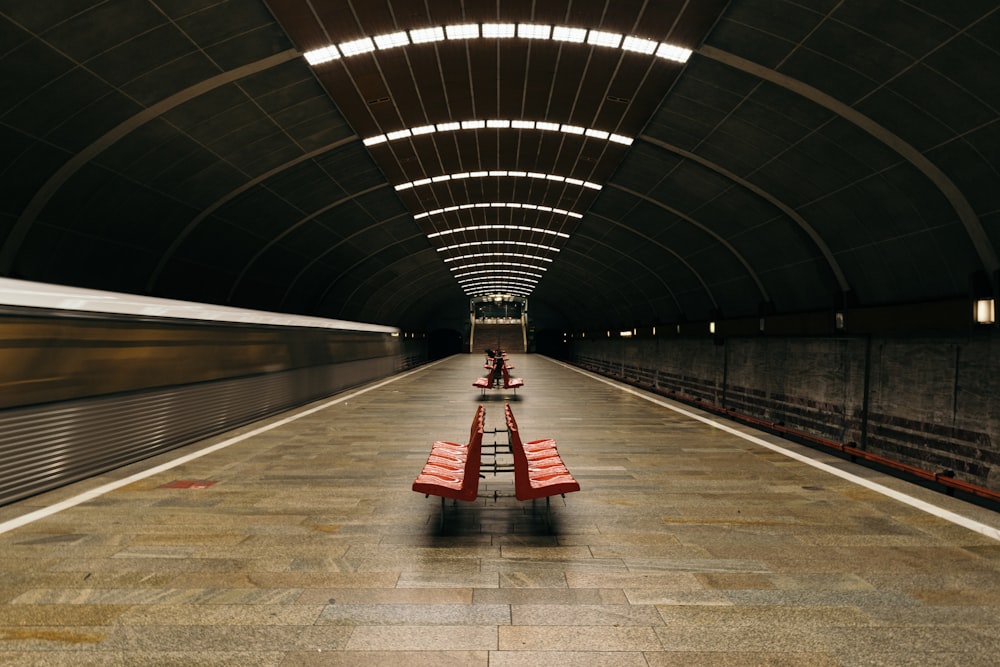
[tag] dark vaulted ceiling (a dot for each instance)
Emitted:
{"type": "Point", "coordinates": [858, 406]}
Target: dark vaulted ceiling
{"type": "Point", "coordinates": [621, 162]}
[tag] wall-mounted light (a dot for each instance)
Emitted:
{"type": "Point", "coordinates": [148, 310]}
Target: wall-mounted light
{"type": "Point", "coordinates": [985, 311]}
{"type": "Point", "coordinates": [762, 325]}
{"type": "Point", "coordinates": [625, 334]}
{"type": "Point", "coordinates": [711, 327]}
{"type": "Point", "coordinates": [840, 321]}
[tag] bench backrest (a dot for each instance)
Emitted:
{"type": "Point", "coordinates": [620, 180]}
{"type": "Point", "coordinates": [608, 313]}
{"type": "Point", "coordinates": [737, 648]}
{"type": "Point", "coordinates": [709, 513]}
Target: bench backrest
{"type": "Point", "coordinates": [474, 457]}
{"type": "Point", "coordinates": [478, 421]}
{"type": "Point", "coordinates": [516, 447]}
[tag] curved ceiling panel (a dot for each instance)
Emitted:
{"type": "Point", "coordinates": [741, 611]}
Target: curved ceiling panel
{"type": "Point", "coordinates": [625, 163]}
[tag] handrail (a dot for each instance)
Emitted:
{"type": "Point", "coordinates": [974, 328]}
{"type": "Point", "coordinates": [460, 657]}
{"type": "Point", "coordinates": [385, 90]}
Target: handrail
{"type": "Point", "coordinates": [945, 478]}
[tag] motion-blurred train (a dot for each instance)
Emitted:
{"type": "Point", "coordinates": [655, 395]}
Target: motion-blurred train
{"type": "Point", "coordinates": [92, 380]}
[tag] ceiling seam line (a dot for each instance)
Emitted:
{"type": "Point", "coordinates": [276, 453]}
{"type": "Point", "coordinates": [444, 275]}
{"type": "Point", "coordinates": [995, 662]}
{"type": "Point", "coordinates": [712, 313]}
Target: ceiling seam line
{"type": "Point", "coordinates": [723, 242]}
{"type": "Point", "coordinates": [973, 226]}
{"type": "Point", "coordinates": [225, 199]}
{"type": "Point", "coordinates": [821, 245]}
{"type": "Point", "coordinates": [43, 195]}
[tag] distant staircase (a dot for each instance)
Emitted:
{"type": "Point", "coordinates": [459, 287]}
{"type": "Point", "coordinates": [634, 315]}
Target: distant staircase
{"type": "Point", "coordinates": [507, 335]}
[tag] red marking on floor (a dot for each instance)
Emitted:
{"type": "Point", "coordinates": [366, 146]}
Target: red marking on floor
{"type": "Point", "coordinates": [188, 484]}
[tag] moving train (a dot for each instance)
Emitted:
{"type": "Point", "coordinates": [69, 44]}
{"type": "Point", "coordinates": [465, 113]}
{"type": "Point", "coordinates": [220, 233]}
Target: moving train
{"type": "Point", "coordinates": [94, 380]}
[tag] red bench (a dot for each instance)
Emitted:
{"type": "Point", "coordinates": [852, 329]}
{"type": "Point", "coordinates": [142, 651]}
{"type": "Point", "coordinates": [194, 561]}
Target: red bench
{"type": "Point", "coordinates": [539, 471]}
{"type": "Point", "coordinates": [452, 469]}
{"type": "Point", "coordinates": [509, 382]}
{"type": "Point", "coordinates": [499, 376]}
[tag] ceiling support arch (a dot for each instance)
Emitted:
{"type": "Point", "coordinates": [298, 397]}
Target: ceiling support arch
{"type": "Point", "coordinates": [270, 244]}
{"type": "Point", "coordinates": [222, 201]}
{"type": "Point", "coordinates": [302, 271]}
{"type": "Point", "coordinates": [723, 242]}
{"type": "Point", "coordinates": [973, 226]}
{"type": "Point", "coordinates": [652, 241]}
{"type": "Point", "coordinates": [41, 198]}
{"type": "Point", "coordinates": [820, 244]}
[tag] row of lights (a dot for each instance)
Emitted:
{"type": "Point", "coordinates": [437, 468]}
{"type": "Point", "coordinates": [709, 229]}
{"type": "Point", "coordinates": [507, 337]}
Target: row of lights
{"type": "Point", "coordinates": [476, 255]}
{"type": "Point", "coordinates": [983, 312]}
{"type": "Point", "coordinates": [518, 228]}
{"type": "Point", "coordinates": [557, 33]}
{"type": "Point", "coordinates": [500, 173]}
{"type": "Point", "coordinates": [498, 124]}
{"type": "Point", "coordinates": [497, 288]}
{"type": "Point", "coordinates": [501, 265]}
{"type": "Point", "coordinates": [469, 282]}
{"type": "Point", "coordinates": [499, 31]}
{"type": "Point", "coordinates": [496, 272]}
{"type": "Point", "coordinates": [523, 244]}
{"type": "Point", "coordinates": [532, 207]}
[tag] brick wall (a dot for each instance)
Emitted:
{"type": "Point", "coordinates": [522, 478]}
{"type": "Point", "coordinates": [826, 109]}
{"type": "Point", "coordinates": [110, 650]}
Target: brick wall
{"type": "Point", "coordinates": [929, 402]}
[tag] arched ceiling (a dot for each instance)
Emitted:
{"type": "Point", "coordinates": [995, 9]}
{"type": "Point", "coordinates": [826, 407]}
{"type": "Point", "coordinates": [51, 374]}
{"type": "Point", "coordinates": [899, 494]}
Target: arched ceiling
{"type": "Point", "coordinates": [802, 156]}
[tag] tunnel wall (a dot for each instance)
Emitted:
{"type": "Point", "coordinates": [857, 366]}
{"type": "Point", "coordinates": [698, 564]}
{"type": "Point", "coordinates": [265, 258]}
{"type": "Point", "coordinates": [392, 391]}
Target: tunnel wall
{"type": "Point", "coordinates": [81, 396]}
{"type": "Point", "coordinates": [929, 402]}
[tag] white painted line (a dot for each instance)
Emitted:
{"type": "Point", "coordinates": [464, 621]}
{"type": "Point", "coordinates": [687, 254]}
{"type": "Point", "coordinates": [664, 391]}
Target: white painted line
{"type": "Point", "coordinates": [939, 512]}
{"type": "Point", "coordinates": [11, 524]}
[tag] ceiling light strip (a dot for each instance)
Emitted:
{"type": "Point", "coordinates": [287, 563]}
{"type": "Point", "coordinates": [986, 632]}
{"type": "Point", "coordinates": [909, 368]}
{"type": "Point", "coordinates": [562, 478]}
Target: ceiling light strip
{"type": "Point", "coordinates": [518, 228]}
{"type": "Point", "coordinates": [476, 255]}
{"type": "Point", "coordinates": [501, 265]}
{"type": "Point", "coordinates": [497, 289]}
{"type": "Point", "coordinates": [522, 244]}
{"type": "Point", "coordinates": [454, 126]}
{"type": "Point", "coordinates": [465, 175]}
{"type": "Point", "coordinates": [498, 272]}
{"type": "Point", "coordinates": [531, 207]}
{"type": "Point", "coordinates": [532, 31]}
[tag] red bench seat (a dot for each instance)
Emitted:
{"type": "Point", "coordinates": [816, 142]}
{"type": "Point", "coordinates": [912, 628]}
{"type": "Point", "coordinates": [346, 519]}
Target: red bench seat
{"type": "Point", "coordinates": [452, 469]}
{"type": "Point", "coordinates": [542, 476]}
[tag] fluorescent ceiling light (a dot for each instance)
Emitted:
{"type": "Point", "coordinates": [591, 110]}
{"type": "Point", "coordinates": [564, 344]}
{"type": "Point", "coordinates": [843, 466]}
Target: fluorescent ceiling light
{"type": "Point", "coordinates": [398, 134]}
{"type": "Point", "coordinates": [646, 46]}
{"type": "Point", "coordinates": [498, 123]}
{"type": "Point", "coordinates": [523, 244]}
{"type": "Point", "coordinates": [465, 31]}
{"type": "Point", "coordinates": [496, 254]}
{"type": "Point", "coordinates": [519, 228]}
{"type": "Point", "coordinates": [378, 139]}
{"type": "Point", "coordinates": [494, 264]}
{"type": "Point", "coordinates": [523, 124]}
{"type": "Point", "coordinates": [500, 173]}
{"type": "Point", "coordinates": [497, 269]}
{"type": "Point", "coordinates": [363, 45]}
{"type": "Point", "coordinates": [392, 40]}
{"type": "Point", "coordinates": [448, 127]}
{"type": "Point", "coordinates": [427, 35]}
{"type": "Point", "coordinates": [675, 53]}
{"type": "Point", "coordinates": [563, 34]}
{"type": "Point", "coordinates": [596, 134]}
{"type": "Point", "coordinates": [572, 129]}
{"type": "Point", "coordinates": [473, 124]}
{"type": "Point", "coordinates": [546, 209]}
{"type": "Point", "coordinates": [499, 30]}
{"type": "Point", "coordinates": [423, 129]}
{"type": "Point", "coordinates": [599, 38]}
{"type": "Point", "coordinates": [530, 31]}
{"type": "Point", "coordinates": [553, 127]}
{"type": "Point", "coordinates": [619, 139]}
{"type": "Point", "coordinates": [323, 55]}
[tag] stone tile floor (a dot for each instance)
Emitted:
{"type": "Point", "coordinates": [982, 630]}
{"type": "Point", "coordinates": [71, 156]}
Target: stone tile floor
{"type": "Point", "coordinates": [687, 545]}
